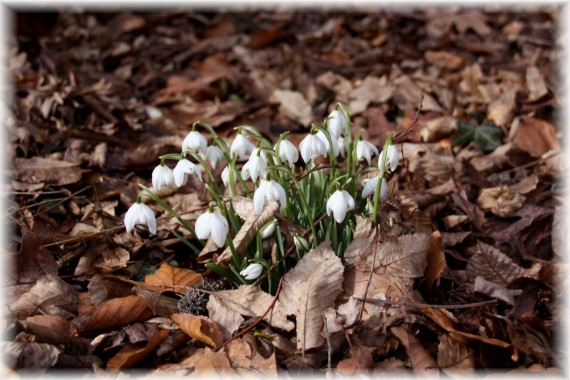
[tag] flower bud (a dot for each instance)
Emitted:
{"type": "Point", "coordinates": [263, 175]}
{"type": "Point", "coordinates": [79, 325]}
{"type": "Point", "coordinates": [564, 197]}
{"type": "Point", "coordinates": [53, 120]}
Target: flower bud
{"type": "Point", "coordinates": [268, 229]}
{"type": "Point", "coordinates": [301, 243]}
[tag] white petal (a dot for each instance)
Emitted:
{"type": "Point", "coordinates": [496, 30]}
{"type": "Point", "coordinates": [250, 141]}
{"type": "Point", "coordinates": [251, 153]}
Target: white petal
{"type": "Point", "coordinates": [219, 229]}
{"type": "Point", "coordinates": [393, 157]}
{"type": "Point", "coordinates": [131, 217]}
{"type": "Point", "coordinates": [349, 200]}
{"type": "Point", "coordinates": [259, 197]}
{"type": "Point", "coordinates": [180, 177]}
{"type": "Point", "coordinates": [305, 149]}
{"type": "Point", "coordinates": [383, 189]}
{"type": "Point", "coordinates": [203, 226]}
{"type": "Point", "coordinates": [369, 186]}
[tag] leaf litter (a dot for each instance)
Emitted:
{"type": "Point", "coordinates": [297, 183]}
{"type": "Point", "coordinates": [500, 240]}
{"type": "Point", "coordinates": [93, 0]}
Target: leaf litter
{"type": "Point", "coordinates": [463, 275]}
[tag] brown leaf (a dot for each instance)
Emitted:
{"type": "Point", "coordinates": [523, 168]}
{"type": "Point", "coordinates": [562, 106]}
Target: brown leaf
{"type": "Point", "coordinates": [248, 361]}
{"type": "Point", "coordinates": [199, 327]}
{"type": "Point", "coordinates": [371, 90]}
{"type": "Point", "coordinates": [168, 278]}
{"type": "Point", "coordinates": [160, 304]}
{"type": "Point", "coordinates": [31, 355]}
{"type": "Point", "coordinates": [455, 357]}
{"type": "Point", "coordinates": [293, 105]}
{"type": "Point", "coordinates": [500, 200]}
{"type": "Point", "coordinates": [422, 362]}
{"type": "Point", "coordinates": [33, 260]}
{"type": "Point", "coordinates": [438, 128]}
{"type": "Point", "coordinates": [493, 265]}
{"type": "Point", "coordinates": [132, 353]}
{"type": "Point", "coordinates": [308, 289]}
{"type": "Point", "coordinates": [113, 259]}
{"type": "Point", "coordinates": [444, 59]}
{"type": "Point", "coordinates": [493, 290]}
{"type": "Point", "coordinates": [248, 230]}
{"type": "Point", "coordinates": [265, 37]}
{"type": "Point", "coordinates": [116, 313]}
{"type": "Point", "coordinates": [38, 169]}
{"type": "Point", "coordinates": [227, 307]}
{"type": "Point", "coordinates": [533, 136]}
{"type": "Point", "coordinates": [54, 323]}
{"type": "Point", "coordinates": [435, 261]}
{"type": "Point", "coordinates": [360, 360]}
{"type": "Point", "coordinates": [50, 295]}
{"type": "Point", "coordinates": [535, 84]}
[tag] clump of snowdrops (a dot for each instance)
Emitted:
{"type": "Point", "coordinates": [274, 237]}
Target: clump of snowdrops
{"type": "Point", "coordinates": [322, 199]}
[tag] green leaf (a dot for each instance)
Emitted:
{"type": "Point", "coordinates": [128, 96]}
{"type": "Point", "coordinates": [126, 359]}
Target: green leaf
{"type": "Point", "coordinates": [488, 137]}
{"type": "Point", "coordinates": [465, 133]}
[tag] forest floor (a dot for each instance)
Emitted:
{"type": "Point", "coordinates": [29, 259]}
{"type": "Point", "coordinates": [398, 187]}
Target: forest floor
{"type": "Point", "coordinates": [473, 99]}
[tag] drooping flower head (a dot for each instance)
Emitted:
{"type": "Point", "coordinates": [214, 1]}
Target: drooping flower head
{"type": "Point", "coordinates": [337, 124]}
{"type": "Point", "coordinates": [392, 158]}
{"type": "Point", "coordinates": [268, 191]}
{"type": "Point", "coordinates": [365, 150]}
{"type": "Point", "coordinates": [214, 154]}
{"type": "Point", "coordinates": [255, 167]}
{"type": "Point", "coordinates": [162, 176]}
{"type": "Point", "coordinates": [212, 224]}
{"type": "Point", "coordinates": [195, 142]}
{"type": "Point", "coordinates": [325, 140]}
{"type": "Point", "coordinates": [312, 147]}
{"type": "Point", "coordinates": [339, 204]}
{"type": "Point", "coordinates": [226, 175]}
{"type": "Point", "coordinates": [182, 169]}
{"type": "Point", "coordinates": [369, 187]}
{"type": "Point", "coordinates": [241, 147]}
{"type": "Point", "coordinates": [287, 152]}
{"type": "Point", "coordinates": [139, 213]}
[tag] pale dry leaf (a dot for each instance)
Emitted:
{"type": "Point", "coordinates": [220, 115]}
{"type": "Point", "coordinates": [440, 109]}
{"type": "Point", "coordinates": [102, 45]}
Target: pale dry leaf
{"type": "Point", "coordinates": [535, 84]}
{"type": "Point", "coordinates": [81, 229]}
{"type": "Point", "coordinates": [360, 360]}
{"type": "Point", "coordinates": [168, 278]}
{"type": "Point", "coordinates": [38, 169]}
{"type": "Point", "coordinates": [500, 200]}
{"type": "Point", "coordinates": [500, 110]}
{"type": "Point", "coordinates": [371, 90]}
{"type": "Point", "coordinates": [113, 259]}
{"type": "Point", "coordinates": [455, 357]}
{"type": "Point", "coordinates": [438, 128]}
{"type": "Point", "coordinates": [50, 295]}
{"type": "Point", "coordinates": [308, 289]}
{"type": "Point", "coordinates": [534, 136]}
{"type": "Point", "coordinates": [452, 221]}
{"type": "Point", "coordinates": [28, 355]}
{"type": "Point", "coordinates": [293, 105]}
{"type": "Point", "coordinates": [493, 265]}
{"type": "Point", "coordinates": [496, 160]}
{"type": "Point", "coordinates": [248, 230]}
{"type": "Point", "coordinates": [199, 327]}
{"type": "Point", "coordinates": [493, 290]}
{"type": "Point", "coordinates": [54, 323]}
{"type": "Point", "coordinates": [525, 185]}
{"type": "Point", "coordinates": [422, 362]}
{"type": "Point", "coordinates": [335, 83]}
{"type": "Point", "coordinates": [444, 59]}
{"type": "Point", "coordinates": [247, 361]}
{"type": "Point", "coordinates": [227, 307]}
{"type": "Point", "coordinates": [132, 353]}
{"type": "Point", "coordinates": [342, 318]}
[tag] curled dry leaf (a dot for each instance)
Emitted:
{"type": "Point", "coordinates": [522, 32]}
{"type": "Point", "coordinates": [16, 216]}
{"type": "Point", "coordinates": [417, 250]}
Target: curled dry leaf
{"type": "Point", "coordinates": [422, 362]}
{"type": "Point", "coordinates": [200, 328]}
{"type": "Point", "coordinates": [227, 307]}
{"type": "Point", "coordinates": [171, 279]}
{"type": "Point", "coordinates": [438, 128]}
{"type": "Point", "coordinates": [247, 360]}
{"type": "Point", "coordinates": [28, 355]}
{"type": "Point", "coordinates": [493, 290]}
{"type": "Point", "coordinates": [360, 361]}
{"type": "Point", "coordinates": [248, 230]}
{"type": "Point", "coordinates": [38, 169]}
{"type": "Point", "coordinates": [113, 259]}
{"type": "Point", "coordinates": [308, 289]}
{"type": "Point", "coordinates": [293, 105]}
{"type": "Point", "coordinates": [444, 59]}
{"type": "Point", "coordinates": [435, 260]}
{"type": "Point", "coordinates": [54, 323]}
{"type": "Point", "coordinates": [533, 136]}
{"type": "Point", "coordinates": [50, 295]}
{"type": "Point", "coordinates": [500, 200]}
{"type": "Point", "coordinates": [371, 90]}
{"type": "Point", "coordinates": [535, 84]}
{"type": "Point", "coordinates": [132, 353]}
{"type": "Point", "coordinates": [342, 318]}
{"type": "Point", "coordinates": [455, 357]}
{"type": "Point", "coordinates": [116, 313]}
{"type": "Point", "coordinates": [493, 265]}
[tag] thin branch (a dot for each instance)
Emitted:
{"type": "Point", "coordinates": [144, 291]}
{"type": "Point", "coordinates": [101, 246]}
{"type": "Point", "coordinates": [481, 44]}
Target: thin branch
{"type": "Point", "coordinates": [420, 305]}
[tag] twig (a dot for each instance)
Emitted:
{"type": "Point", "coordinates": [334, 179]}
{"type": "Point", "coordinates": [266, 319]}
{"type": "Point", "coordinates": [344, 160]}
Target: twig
{"type": "Point", "coordinates": [371, 271]}
{"type": "Point", "coordinates": [420, 305]}
{"type": "Point", "coordinates": [258, 320]}
{"type": "Point", "coordinates": [400, 136]}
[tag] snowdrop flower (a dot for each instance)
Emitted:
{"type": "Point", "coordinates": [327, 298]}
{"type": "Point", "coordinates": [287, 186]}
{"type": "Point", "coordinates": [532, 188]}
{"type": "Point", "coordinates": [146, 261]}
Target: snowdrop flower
{"type": "Point", "coordinates": [365, 150]}
{"type": "Point", "coordinates": [213, 154]}
{"type": "Point", "coordinates": [312, 147]}
{"type": "Point", "coordinates": [162, 176]}
{"type": "Point", "coordinates": [241, 147]}
{"type": "Point", "coordinates": [392, 158]}
{"type": "Point", "coordinates": [195, 141]}
{"type": "Point", "coordinates": [301, 243]}
{"type": "Point", "coordinates": [139, 213]}
{"type": "Point", "coordinates": [334, 139]}
{"type": "Point", "coordinates": [287, 152]}
{"type": "Point", "coordinates": [226, 175]}
{"type": "Point", "coordinates": [338, 204]}
{"type": "Point", "coordinates": [337, 124]}
{"type": "Point", "coordinates": [268, 229]}
{"type": "Point", "coordinates": [342, 146]}
{"type": "Point", "coordinates": [182, 169]}
{"type": "Point", "coordinates": [254, 167]}
{"type": "Point", "coordinates": [212, 224]}
{"type": "Point", "coordinates": [268, 191]}
{"type": "Point", "coordinates": [252, 271]}
{"type": "Point", "coordinates": [369, 187]}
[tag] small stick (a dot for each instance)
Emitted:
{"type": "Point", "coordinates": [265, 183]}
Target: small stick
{"type": "Point", "coordinates": [420, 305]}
{"type": "Point", "coordinates": [258, 320]}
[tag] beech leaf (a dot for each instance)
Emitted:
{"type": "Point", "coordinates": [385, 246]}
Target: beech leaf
{"type": "Point", "coordinates": [455, 357]}
{"type": "Point", "coordinates": [421, 360]}
{"type": "Point", "coordinates": [309, 288]}
{"type": "Point", "coordinates": [493, 265]}
{"type": "Point", "coordinates": [200, 328]}
{"type": "Point", "coordinates": [169, 278]}
{"type": "Point", "coordinates": [132, 353]}
{"type": "Point", "coordinates": [494, 290]}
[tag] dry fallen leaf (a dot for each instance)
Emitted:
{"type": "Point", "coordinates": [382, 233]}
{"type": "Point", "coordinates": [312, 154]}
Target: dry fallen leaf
{"type": "Point", "coordinates": [227, 307]}
{"type": "Point", "coordinates": [132, 353]}
{"type": "Point", "coordinates": [435, 261]}
{"type": "Point", "coordinates": [199, 327]}
{"type": "Point", "coordinates": [533, 136]}
{"type": "Point", "coordinates": [500, 200]}
{"type": "Point", "coordinates": [293, 105]}
{"type": "Point", "coordinates": [493, 290]}
{"type": "Point", "coordinates": [360, 360]}
{"type": "Point", "coordinates": [444, 59]}
{"type": "Point", "coordinates": [171, 279]}
{"type": "Point", "coordinates": [30, 355]}
{"type": "Point", "coordinates": [535, 83]}
{"type": "Point", "coordinates": [56, 172]}
{"type": "Point", "coordinates": [422, 362]}
{"type": "Point", "coordinates": [493, 265]}
{"type": "Point", "coordinates": [455, 357]}
{"type": "Point", "coordinates": [248, 361]}
{"type": "Point", "coordinates": [308, 289]}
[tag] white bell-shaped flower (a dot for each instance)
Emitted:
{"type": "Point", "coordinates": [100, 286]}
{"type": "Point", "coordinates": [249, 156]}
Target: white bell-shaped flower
{"type": "Point", "coordinates": [342, 146]}
{"type": "Point", "coordinates": [312, 147]}
{"type": "Point", "coordinates": [226, 175]}
{"type": "Point", "coordinates": [139, 213]}
{"type": "Point", "coordinates": [162, 176]}
{"type": "Point", "coordinates": [241, 147]}
{"type": "Point", "coordinates": [214, 154]}
{"type": "Point", "coordinates": [252, 271]}
{"type": "Point", "coordinates": [369, 187]}
{"type": "Point", "coordinates": [365, 150]}
{"type": "Point", "coordinates": [301, 243]}
{"type": "Point", "coordinates": [268, 229]}
{"type": "Point", "coordinates": [334, 140]}
{"type": "Point", "coordinates": [287, 152]}
{"type": "Point", "coordinates": [339, 204]}
{"type": "Point", "coordinates": [392, 158]}
{"type": "Point", "coordinates": [337, 124]}
{"type": "Point", "coordinates": [268, 191]}
{"type": "Point", "coordinates": [195, 142]}
{"type": "Point", "coordinates": [212, 224]}
{"type": "Point", "coordinates": [255, 167]}
{"type": "Point", "coordinates": [182, 169]}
